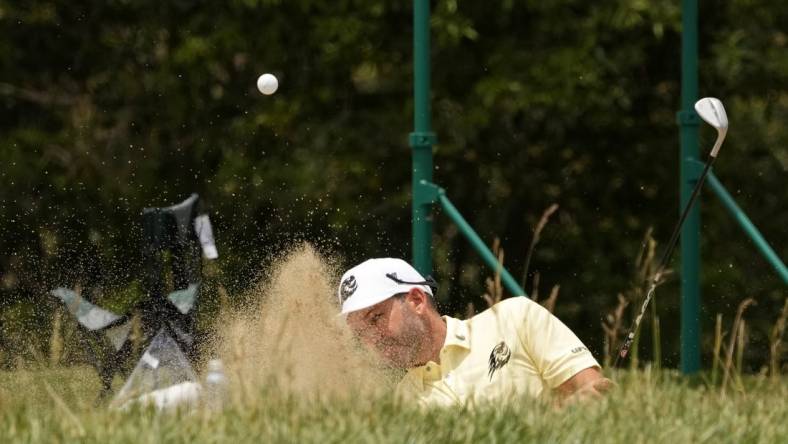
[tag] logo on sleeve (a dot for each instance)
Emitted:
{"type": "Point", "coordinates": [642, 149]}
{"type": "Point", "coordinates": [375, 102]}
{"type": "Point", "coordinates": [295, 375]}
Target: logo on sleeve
{"type": "Point", "coordinates": [499, 357]}
{"type": "Point", "coordinates": [348, 287]}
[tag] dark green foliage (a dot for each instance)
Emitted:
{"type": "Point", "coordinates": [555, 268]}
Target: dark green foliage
{"type": "Point", "coordinates": [110, 106]}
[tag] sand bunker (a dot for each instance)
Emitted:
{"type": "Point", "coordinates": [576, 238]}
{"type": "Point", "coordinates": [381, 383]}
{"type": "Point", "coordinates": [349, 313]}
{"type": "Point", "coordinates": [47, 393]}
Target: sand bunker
{"type": "Point", "coordinates": [291, 340]}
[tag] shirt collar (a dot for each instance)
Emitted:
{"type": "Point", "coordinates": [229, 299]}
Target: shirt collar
{"type": "Point", "coordinates": [456, 333]}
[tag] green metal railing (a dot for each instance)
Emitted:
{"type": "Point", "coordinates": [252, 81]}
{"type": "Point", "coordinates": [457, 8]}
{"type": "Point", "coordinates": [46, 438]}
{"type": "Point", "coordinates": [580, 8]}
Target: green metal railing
{"type": "Point", "coordinates": [690, 231]}
{"type": "Point", "coordinates": [747, 226]}
{"type": "Point", "coordinates": [438, 194]}
{"type": "Point", "coordinates": [690, 171]}
{"type": "Point", "coordinates": [421, 140]}
{"type": "Point", "coordinates": [426, 193]}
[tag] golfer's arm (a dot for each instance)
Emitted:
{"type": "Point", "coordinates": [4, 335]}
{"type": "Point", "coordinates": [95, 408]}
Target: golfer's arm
{"type": "Point", "coordinates": [585, 383]}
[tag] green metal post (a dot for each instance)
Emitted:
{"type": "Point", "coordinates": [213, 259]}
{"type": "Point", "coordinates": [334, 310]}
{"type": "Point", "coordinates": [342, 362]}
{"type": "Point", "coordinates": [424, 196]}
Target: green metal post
{"type": "Point", "coordinates": [435, 193]}
{"type": "Point", "coordinates": [748, 227]}
{"type": "Point", "coordinates": [421, 139]}
{"type": "Point", "coordinates": [690, 233]}
{"type": "Point", "coordinates": [478, 244]}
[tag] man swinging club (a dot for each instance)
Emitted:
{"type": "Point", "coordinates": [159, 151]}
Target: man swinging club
{"type": "Point", "coordinates": [512, 350]}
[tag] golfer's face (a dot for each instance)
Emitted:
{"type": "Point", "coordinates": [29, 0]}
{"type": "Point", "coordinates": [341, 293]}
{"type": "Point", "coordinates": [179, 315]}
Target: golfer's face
{"type": "Point", "coordinates": [390, 328]}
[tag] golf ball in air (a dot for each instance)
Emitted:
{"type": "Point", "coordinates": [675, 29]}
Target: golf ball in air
{"type": "Point", "coordinates": [267, 84]}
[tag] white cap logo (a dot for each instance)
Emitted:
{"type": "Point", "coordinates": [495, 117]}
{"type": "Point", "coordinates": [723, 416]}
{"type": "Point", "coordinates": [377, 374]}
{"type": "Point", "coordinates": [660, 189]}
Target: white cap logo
{"type": "Point", "coordinates": [348, 287]}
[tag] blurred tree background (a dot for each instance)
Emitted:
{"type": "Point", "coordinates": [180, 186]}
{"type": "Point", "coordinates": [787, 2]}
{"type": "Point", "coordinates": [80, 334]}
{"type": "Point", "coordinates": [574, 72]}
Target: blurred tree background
{"type": "Point", "coordinates": [107, 107]}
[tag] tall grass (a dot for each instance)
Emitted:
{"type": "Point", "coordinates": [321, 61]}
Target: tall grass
{"type": "Point", "coordinates": [284, 392]}
{"type": "Point", "coordinates": [55, 405]}
{"type": "Point", "coordinates": [735, 342]}
{"type": "Point", "coordinates": [776, 341]}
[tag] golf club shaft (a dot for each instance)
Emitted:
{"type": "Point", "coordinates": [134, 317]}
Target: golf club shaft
{"type": "Point", "coordinates": [663, 263]}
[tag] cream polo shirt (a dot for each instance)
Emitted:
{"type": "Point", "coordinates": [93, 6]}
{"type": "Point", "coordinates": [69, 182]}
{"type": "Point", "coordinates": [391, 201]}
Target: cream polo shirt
{"type": "Point", "coordinates": [515, 348]}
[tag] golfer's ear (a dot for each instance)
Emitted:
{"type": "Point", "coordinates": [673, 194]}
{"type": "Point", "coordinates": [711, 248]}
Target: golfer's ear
{"type": "Point", "coordinates": [418, 298]}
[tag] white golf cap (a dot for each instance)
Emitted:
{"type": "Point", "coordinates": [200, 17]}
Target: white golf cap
{"type": "Point", "coordinates": [375, 280]}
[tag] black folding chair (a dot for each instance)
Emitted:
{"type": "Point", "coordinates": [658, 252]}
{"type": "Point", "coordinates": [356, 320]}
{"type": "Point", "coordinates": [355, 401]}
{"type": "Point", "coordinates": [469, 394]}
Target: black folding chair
{"type": "Point", "coordinates": [179, 232]}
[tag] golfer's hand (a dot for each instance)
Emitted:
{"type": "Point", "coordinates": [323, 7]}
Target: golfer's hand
{"type": "Point", "coordinates": [586, 384]}
{"type": "Point", "coordinates": [591, 390]}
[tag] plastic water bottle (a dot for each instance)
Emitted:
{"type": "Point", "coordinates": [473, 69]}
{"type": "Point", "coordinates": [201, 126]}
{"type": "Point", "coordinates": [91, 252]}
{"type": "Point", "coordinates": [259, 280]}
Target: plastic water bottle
{"type": "Point", "coordinates": [215, 388]}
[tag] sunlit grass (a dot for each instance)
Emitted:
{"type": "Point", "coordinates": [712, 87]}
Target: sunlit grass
{"type": "Point", "coordinates": [57, 406]}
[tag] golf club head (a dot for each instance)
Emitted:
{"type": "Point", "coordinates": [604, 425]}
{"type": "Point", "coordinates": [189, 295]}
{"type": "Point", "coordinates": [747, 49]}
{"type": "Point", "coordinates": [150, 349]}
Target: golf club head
{"type": "Point", "coordinates": [710, 109]}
